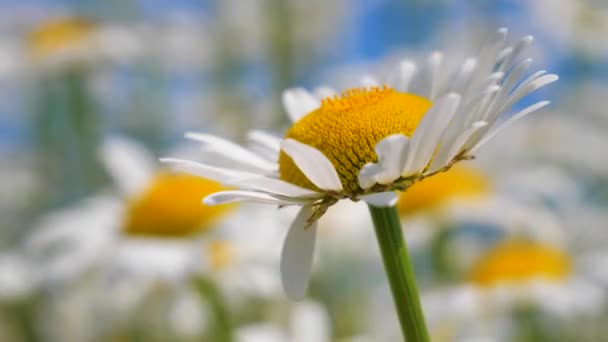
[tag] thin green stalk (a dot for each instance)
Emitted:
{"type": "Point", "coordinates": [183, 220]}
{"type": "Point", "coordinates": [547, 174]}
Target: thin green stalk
{"type": "Point", "coordinates": [223, 330]}
{"type": "Point", "coordinates": [400, 273]}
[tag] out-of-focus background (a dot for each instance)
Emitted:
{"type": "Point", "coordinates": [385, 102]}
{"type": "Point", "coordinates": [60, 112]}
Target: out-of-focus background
{"type": "Point", "coordinates": [100, 242]}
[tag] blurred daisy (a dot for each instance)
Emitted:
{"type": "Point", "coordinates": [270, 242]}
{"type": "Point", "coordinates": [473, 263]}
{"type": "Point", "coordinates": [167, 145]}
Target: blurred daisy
{"type": "Point", "coordinates": [370, 141]}
{"type": "Point", "coordinates": [136, 232]}
{"type": "Point", "coordinates": [516, 274]}
{"type": "Point", "coordinates": [67, 40]}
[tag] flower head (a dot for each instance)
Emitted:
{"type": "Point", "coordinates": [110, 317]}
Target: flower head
{"type": "Point", "coordinates": [520, 261]}
{"type": "Point", "coordinates": [58, 36]}
{"type": "Point", "coordinates": [368, 142]}
{"type": "Point", "coordinates": [149, 213]}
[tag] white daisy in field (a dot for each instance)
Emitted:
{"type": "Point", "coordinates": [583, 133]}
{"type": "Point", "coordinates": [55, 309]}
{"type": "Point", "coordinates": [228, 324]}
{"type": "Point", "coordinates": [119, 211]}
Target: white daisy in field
{"type": "Point", "coordinates": [519, 274]}
{"type": "Point", "coordinates": [370, 141]}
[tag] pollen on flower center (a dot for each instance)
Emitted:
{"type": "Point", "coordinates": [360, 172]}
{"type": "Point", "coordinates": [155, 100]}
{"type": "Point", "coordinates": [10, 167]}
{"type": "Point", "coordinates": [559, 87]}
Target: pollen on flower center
{"type": "Point", "coordinates": [346, 129]}
{"type": "Point", "coordinates": [172, 206]}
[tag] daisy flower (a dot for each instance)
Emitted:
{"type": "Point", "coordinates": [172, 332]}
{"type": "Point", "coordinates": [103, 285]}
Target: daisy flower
{"type": "Point", "coordinates": [367, 142]}
{"type": "Point", "coordinates": [516, 274]}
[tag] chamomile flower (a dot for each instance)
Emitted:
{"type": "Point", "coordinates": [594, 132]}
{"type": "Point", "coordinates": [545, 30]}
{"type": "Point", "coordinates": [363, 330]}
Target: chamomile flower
{"type": "Point", "coordinates": [370, 141]}
{"type": "Point", "coordinates": [515, 274]}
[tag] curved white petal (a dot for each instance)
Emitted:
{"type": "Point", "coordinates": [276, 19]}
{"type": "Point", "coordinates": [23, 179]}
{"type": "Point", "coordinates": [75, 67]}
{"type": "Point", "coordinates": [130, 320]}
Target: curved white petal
{"type": "Point", "coordinates": [232, 196]}
{"type": "Point", "coordinates": [274, 186]}
{"type": "Point", "coordinates": [299, 102]}
{"type": "Point", "coordinates": [232, 151]}
{"type": "Point", "coordinates": [367, 175]}
{"type": "Point", "coordinates": [526, 88]}
{"type": "Point", "coordinates": [297, 255]}
{"type": "Point", "coordinates": [464, 74]}
{"type": "Point", "coordinates": [402, 78]}
{"type": "Point", "coordinates": [264, 144]}
{"type": "Point", "coordinates": [129, 164]}
{"type": "Point", "coordinates": [392, 154]}
{"type": "Point", "coordinates": [217, 174]}
{"type": "Point", "coordinates": [507, 123]}
{"type": "Point", "coordinates": [430, 129]}
{"type": "Point", "coordinates": [435, 62]}
{"type": "Point", "coordinates": [381, 199]}
{"type": "Point", "coordinates": [315, 166]}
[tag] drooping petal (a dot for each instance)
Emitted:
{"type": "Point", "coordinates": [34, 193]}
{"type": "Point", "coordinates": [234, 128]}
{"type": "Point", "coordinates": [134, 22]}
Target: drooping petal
{"type": "Point", "coordinates": [274, 186]}
{"type": "Point", "coordinates": [297, 255]}
{"type": "Point", "coordinates": [313, 163]}
{"type": "Point", "coordinates": [299, 102]}
{"type": "Point", "coordinates": [224, 197]}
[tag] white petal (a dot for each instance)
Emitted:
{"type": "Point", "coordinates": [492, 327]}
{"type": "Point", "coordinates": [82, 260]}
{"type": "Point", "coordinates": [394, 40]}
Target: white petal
{"type": "Point", "coordinates": [435, 62]}
{"type": "Point", "coordinates": [232, 151]}
{"type": "Point", "coordinates": [507, 123]}
{"type": "Point", "coordinates": [274, 186]}
{"type": "Point", "coordinates": [464, 74]}
{"type": "Point", "coordinates": [526, 88]}
{"type": "Point", "coordinates": [299, 102]}
{"type": "Point", "coordinates": [392, 154]}
{"type": "Point", "coordinates": [315, 166]}
{"type": "Point", "coordinates": [324, 92]}
{"type": "Point", "coordinates": [430, 129]}
{"type": "Point", "coordinates": [449, 149]}
{"type": "Point", "coordinates": [265, 140]}
{"type": "Point", "coordinates": [516, 50]}
{"type": "Point", "coordinates": [369, 81]}
{"type": "Point", "coordinates": [232, 196]}
{"type": "Point", "coordinates": [381, 199]}
{"type": "Point", "coordinates": [297, 255]}
{"type": "Point", "coordinates": [367, 175]}
{"type": "Point", "coordinates": [129, 164]}
{"type": "Point", "coordinates": [402, 78]}
{"type": "Point", "coordinates": [217, 174]}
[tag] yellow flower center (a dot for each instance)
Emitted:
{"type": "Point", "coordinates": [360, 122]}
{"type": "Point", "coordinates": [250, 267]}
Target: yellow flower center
{"type": "Point", "coordinates": [172, 207]}
{"type": "Point", "coordinates": [520, 261]}
{"type": "Point", "coordinates": [346, 129]}
{"type": "Point", "coordinates": [58, 35]}
{"type": "Point", "coordinates": [459, 182]}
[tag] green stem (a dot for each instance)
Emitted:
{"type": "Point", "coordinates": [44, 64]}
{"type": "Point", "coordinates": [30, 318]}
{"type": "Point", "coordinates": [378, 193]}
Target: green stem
{"type": "Point", "coordinates": [222, 329]}
{"type": "Point", "coordinates": [400, 273]}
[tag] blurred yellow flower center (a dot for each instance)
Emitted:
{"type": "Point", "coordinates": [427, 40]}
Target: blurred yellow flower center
{"type": "Point", "coordinates": [221, 254]}
{"type": "Point", "coordinates": [459, 182]}
{"type": "Point", "coordinates": [171, 207]}
{"type": "Point", "coordinates": [346, 129]}
{"type": "Point", "coordinates": [520, 261]}
{"type": "Point", "coordinates": [58, 35]}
